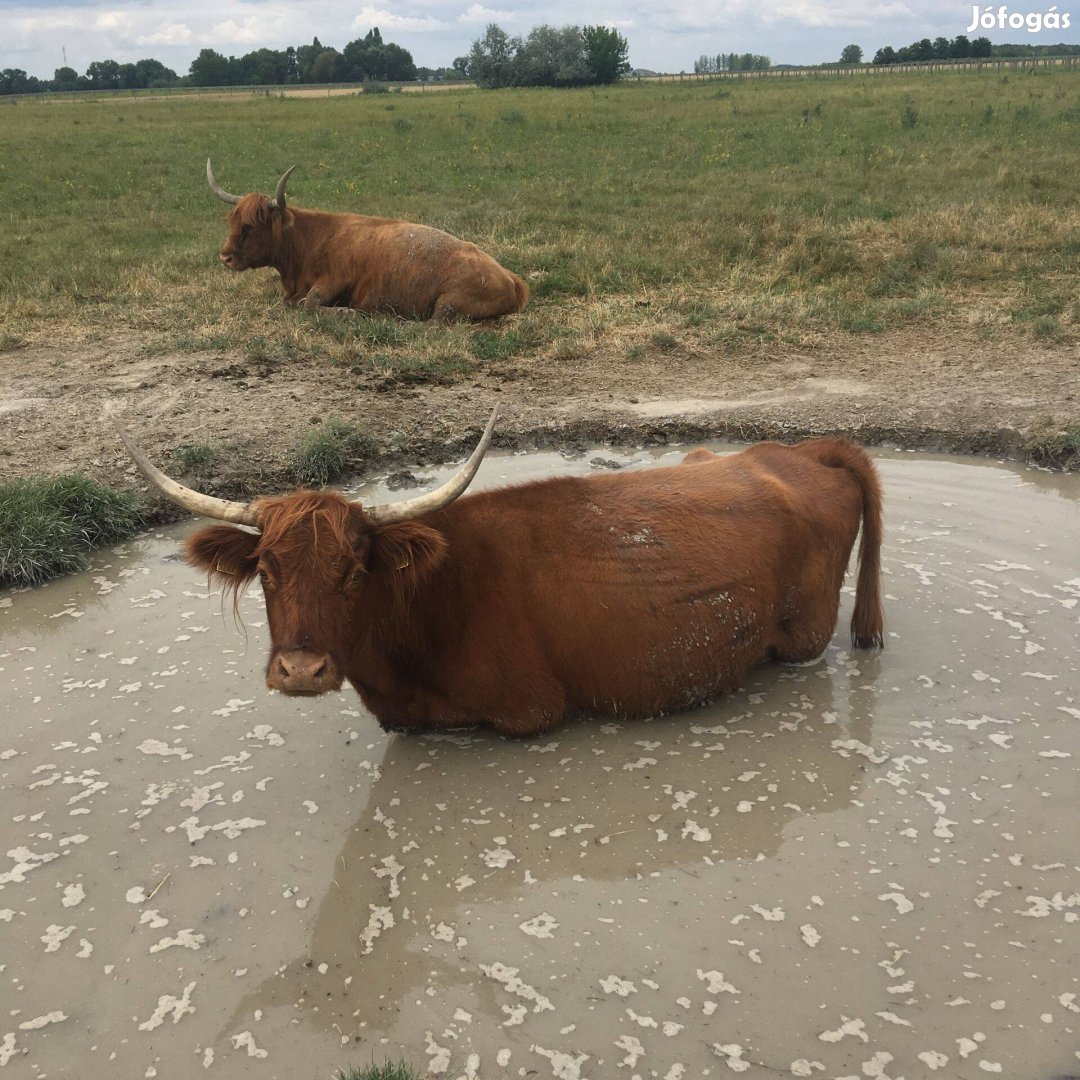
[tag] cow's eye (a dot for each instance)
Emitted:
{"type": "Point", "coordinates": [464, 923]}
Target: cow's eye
{"type": "Point", "coordinates": [356, 578]}
{"type": "Point", "coordinates": [264, 579]}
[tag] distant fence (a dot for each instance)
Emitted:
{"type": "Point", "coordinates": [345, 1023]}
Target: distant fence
{"type": "Point", "coordinates": [1011, 63]}
{"type": "Point", "coordinates": [286, 90]}
{"type": "Point", "coordinates": [984, 64]}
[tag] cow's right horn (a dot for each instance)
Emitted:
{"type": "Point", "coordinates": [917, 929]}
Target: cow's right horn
{"type": "Point", "coordinates": [441, 496]}
{"type": "Point", "coordinates": [195, 501]}
{"type": "Point", "coordinates": [220, 192]}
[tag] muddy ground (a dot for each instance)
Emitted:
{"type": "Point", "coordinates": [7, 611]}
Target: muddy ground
{"type": "Point", "coordinates": [944, 391]}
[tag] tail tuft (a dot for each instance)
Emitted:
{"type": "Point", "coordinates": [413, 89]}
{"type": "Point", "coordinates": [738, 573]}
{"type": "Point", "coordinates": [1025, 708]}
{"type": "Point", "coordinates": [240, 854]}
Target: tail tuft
{"type": "Point", "coordinates": [867, 620]}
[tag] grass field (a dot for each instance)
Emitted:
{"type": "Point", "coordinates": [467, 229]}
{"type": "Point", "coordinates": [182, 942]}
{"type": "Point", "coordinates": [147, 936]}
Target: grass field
{"type": "Point", "coordinates": [643, 216]}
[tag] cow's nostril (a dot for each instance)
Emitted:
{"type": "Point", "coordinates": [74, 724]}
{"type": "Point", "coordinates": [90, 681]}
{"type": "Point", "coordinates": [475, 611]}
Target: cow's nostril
{"type": "Point", "coordinates": [320, 670]}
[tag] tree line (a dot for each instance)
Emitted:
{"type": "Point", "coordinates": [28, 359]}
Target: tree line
{"type": "Point", "coordinates": [546, 56]}
{"type": "Point", "coordinates": [366, 58]}
{"type": "Point", "coordinates": [957, 48]}
{"type": "Point", "coordinates": [708, 65]}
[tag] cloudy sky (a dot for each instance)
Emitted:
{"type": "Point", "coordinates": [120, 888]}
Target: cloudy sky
{"type": "Point", "coordinates": [664, 35]}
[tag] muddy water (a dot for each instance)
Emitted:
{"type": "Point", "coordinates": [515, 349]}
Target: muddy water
{"type": "Point", "coordinates": [866, 866]}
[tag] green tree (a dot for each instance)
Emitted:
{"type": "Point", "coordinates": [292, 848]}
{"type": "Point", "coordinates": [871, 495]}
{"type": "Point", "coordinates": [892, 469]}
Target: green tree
{"type": "Point", "coordinates": [370, 57]}
{"type": "Point", "coordinates": [491, 58]}
{"type": "Point", "coordinates": [65, 78]}
{"type": "Point", "coordinates": [552, 56]}
{"type": "Point", "coordinates": [923, 50]}
{"type": "Point", "coordinates": [885, 55]}
{"type": "Point", "coordinates": [395, 64]}
{"type": "Point", "coordinates": [324, 69]}
{"type": "Point", "coordinates": [152, 72]}
{"type": "Point", "coordinates": [104, 75]}
{"type": "Point", "coordinates": [264, 67]}
{"type": "Point", "coordinates": [606, 53]}
{"type": "Point", "coordinates": [981, 47]}
{"type": "Point", "coordinates": [852, 54]}
{"type": "Point", "coordinates": [209, 68]}
{"type": "Point", "coordinates": [306, 56]}
{"type": "Point", "coordinates": [16, 81]}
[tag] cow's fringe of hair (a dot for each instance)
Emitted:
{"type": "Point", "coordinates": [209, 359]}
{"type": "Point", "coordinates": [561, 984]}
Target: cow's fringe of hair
{"type": "Point", "coordinates": [251, 210]}
{"type": "Point", "coordinates": [331, 538]}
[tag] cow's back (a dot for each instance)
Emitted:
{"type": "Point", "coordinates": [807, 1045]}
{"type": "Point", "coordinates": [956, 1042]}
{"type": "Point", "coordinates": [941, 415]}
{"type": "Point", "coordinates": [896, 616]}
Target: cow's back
{"type": "Point", "coordinates": [412, 269]}
{"type": "Point", "coordinates": [642, 591]}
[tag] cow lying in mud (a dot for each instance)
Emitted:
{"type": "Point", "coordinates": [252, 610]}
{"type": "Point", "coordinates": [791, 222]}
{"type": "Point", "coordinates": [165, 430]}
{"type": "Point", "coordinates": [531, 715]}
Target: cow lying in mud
{"type": "Point", "coordinates": [627, 594]}
{"type": "Point", "coordinates": [367, 264]}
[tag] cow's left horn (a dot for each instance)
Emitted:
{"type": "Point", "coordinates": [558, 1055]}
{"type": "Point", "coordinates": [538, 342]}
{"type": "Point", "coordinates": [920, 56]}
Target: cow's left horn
{"type": "Point", "coordinates": [220, 192]}
{"type": "Point", "coordinates": [441, 496]}
{"type": "Point", "coordinates": [195, 501]}
{"type": "Point", "coordinates": [278, 201]}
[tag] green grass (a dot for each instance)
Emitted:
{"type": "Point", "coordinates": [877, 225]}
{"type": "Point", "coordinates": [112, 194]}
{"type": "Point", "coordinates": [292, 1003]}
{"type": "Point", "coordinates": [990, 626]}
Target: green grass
{"type": "Point", "coordinates": [49, 525]}
{"type": "Point", "coordinates": [198, 459]}
{"type": "Point", "coordinates": [800, 207]}
{"type": "Point", "coordinates": [387, 1071]}
{"type": "Point", "coordinates": [328, 452]}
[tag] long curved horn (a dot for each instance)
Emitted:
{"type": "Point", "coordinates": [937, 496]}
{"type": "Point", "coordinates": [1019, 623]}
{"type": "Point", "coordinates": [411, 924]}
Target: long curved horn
{"type": "Point", "coordinates": [220, 192]}
{"type": "Point", "coordinates": [195, 501]}
{"type": "Point", "coordinates": [441, 496]}
{"type": "Point", "coordinates": [278, 201]}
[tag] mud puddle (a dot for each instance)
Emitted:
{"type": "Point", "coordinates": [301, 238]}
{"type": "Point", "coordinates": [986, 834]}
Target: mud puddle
{"type": "Point", "coordinates": [866, 866]}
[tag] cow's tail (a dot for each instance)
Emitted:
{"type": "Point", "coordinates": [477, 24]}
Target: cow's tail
{"type": "Point", "coordinates": [521, 291]}
{"type": "Point", "coordinates": [867, 621]}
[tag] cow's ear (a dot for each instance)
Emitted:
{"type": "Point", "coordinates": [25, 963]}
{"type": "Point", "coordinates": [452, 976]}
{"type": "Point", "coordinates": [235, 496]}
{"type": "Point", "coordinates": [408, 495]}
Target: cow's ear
{"type": "Point", "coordinates": [408, 551]}
{"type": "Point", "coordinates": [226, 554]}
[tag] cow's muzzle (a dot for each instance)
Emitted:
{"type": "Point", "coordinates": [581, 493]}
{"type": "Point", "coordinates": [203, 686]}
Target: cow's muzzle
{"type": "Point", "coordinates": [299, 672]}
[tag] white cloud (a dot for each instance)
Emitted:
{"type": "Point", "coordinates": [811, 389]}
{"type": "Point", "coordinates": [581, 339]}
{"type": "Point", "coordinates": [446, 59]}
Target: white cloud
{"type": "Point", "coordinates": [477, 13]}
{"type": "Point", "coordinates": [250, 31]}
{"type": "Point", "coordinates": [112, 20]}
{"type": "Point", "coordinates": [836, 13]}
{"type": "Point", "coordinates": [387, 20]}
{"type": "Point", "coordinates": [173, 34]}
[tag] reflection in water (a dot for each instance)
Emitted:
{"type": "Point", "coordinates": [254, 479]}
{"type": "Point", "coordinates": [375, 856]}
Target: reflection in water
{"type": "Point", "coordinates": [463, 820]}
{"type": "Point", "coordinates": [30, 615]}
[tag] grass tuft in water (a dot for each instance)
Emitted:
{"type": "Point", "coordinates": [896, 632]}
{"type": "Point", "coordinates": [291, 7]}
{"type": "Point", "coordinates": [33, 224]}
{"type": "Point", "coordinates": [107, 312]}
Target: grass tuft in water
{"type": "Point", "coordinates": [49, 525]}
{"type": "Point", "coordinates": [325, 454]}
{"type": "Point", "coordinates": [1057, 449]}
{"type": "Point", "coordinates": [389, 1070]}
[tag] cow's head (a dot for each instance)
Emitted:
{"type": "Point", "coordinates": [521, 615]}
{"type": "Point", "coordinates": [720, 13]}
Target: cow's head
{"type": "Point", "coordinates": [333, 572]}
{"type": "Point", "coordinates": [255, 224]}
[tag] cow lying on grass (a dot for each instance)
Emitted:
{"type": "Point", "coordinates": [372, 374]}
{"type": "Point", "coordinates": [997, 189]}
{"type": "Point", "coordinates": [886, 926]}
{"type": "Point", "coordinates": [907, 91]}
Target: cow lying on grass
{"type": "Point", "coordinates": [627, 594]}
{"type": "Point", "coordinates": [367, 264]}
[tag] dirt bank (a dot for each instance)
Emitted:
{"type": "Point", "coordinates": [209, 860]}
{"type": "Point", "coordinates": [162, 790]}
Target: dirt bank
{"type": "Point", "coordinates": [931, 390]}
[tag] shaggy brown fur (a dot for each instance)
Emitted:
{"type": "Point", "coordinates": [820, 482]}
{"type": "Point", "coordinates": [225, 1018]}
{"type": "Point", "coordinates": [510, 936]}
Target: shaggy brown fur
{"type": "Point", "coordinates": [627, 594]}
{"type": "Point", "coordinates": [370, 264]}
